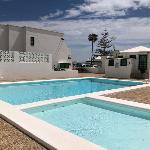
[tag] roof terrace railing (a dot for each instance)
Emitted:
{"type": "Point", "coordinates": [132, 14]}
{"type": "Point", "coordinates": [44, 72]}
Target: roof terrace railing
{"type": "Point", "coordinates": [23, 57]}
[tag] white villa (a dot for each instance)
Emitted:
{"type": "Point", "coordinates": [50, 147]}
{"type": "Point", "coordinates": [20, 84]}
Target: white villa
{"type": "Point", "coordinates": [27, 39]}
{"type": "Point", "coordinates": [37, 51]}
{"type": "Point", "coordinates": [131, 63]}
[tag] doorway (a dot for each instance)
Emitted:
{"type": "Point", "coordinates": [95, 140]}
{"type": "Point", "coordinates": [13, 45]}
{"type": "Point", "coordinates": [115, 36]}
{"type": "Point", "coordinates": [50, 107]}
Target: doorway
{"type": "Point", "coordinates": [142, 63]}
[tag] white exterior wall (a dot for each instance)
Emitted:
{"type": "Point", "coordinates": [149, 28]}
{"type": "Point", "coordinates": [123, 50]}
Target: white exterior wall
{"type": "Point", "coordinates": [61, 53]}
{"type": "Point", "coordinates": [15, 38]}
{"type": "Point", "coordinates": [24, 71]}
{"type": "Point", "coordinates": [16, 69]}
{"type": "Point", "coordinates": [103, 60]}
{"type": "Point", "coordinates": [123, 72]}
{"type": "Point", "coordinates": [149, 66]}
{"type": "Point", "coordinates": [48, 43]}
{"type": "Point", "coordinates": [32, 71]}
{"type": "Point", "coordinates": [136, 61]}
{"type": "Point", "coordinates": [4, 38]}
{"type": "Point", "coordinates": [136, 71]}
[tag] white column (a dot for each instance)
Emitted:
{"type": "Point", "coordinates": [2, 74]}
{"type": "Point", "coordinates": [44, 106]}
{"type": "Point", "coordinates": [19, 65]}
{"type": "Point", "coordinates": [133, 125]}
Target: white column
{"type": "Point", "coordinates": [16, 57]}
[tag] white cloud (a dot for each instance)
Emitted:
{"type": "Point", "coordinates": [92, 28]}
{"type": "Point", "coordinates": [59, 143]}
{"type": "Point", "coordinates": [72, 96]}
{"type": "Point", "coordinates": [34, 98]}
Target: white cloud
{"type": "Point", "coordinates": [107, 7]}
{"type": "Point", "coordinates": [100, 8]}
{"type": "Point", "coordinates": [52, 15]}
{"type": "Point", "coordinates": [72, 13]}
{"type": "Point", "coordinates": [145, 3]}
{"type": "Point", "coordinates": [129, 32]}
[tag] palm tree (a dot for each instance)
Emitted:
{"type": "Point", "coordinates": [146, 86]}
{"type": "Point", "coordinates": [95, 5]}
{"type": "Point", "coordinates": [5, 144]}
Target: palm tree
{"type": "Point", "coordinates": [92, 38]}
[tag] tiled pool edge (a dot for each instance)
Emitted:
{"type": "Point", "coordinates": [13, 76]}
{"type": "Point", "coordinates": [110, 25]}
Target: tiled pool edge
{"type": "Point", "coordinates": [45, 102]}
{"type": "Point", "coordinates": [47, 80]}
{"type": "Point", "coordinates": [113, 79]}
{"type": "Point", "coordinates": [122, 102]}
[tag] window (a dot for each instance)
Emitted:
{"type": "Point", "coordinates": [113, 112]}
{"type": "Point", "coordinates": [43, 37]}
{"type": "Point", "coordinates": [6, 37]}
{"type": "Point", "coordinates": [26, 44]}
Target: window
{"type": "Point", "coordinates": [111, 62]}
{"type": "Point", "coordinates": [133, 56]}
{"type": "Point", "coordinates": [123, 62]}
{"type": "Point", "coordinates": [32, 41]}
{"type": "Point", "coordinates": [120, 56]}
{"type": "Point", "coordinates": [64, 65]}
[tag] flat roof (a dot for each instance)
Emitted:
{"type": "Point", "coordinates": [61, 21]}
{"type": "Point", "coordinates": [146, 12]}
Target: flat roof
{"type": "Point", "coordinates": [33, 28]}
{"type": "Point", "coordinates": [136, 50]}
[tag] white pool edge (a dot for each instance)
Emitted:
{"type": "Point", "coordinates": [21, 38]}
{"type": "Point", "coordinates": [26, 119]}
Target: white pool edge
{"type": "Point", "coordinates": [32, 81]}
{"type": "Point", "coordinates": [45, 102]}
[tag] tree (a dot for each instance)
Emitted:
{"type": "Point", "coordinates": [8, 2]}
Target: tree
{"type": "Point", "coordinates": [92, 38]}
{"type": "Point", "coordinates": [104, 44]}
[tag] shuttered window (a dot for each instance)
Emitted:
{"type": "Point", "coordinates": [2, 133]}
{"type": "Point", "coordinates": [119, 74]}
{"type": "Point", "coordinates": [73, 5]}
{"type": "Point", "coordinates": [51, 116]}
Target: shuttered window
{"type": "Point", "coordinates": [133, 56]}
{"type": "Point", "coordinates": [111, 62]}
{"type": "Point", "coordinates": [123, 62]}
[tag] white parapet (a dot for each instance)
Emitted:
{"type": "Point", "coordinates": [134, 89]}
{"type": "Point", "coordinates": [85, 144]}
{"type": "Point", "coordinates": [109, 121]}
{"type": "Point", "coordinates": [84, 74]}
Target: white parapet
{"type": "Point", "coordinates": [29, 66]}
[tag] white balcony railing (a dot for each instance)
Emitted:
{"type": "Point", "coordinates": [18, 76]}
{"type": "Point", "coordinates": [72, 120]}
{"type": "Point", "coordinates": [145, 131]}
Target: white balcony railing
{"type": "Point", "coordinates": [23, 57]}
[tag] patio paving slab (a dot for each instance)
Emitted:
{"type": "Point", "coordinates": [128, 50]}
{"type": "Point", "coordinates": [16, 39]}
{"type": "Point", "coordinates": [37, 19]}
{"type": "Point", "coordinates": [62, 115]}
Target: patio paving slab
{"type": "Point", "coordinates": [141, 95]}
{"type": "Point", "coordinates": [13, 139]}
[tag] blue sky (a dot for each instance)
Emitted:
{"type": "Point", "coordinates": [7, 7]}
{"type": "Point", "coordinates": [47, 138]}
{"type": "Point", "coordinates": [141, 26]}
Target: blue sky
{"type": "Point", "coordinates": [128, 20]}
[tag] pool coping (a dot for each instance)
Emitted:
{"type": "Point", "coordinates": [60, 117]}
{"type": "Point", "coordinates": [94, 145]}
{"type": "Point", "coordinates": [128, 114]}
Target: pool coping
{"type": "Point", "coordinates": [67, 140]}
{"type": "Point", "coordinates": [45, 102]}
{"type": "Point", "coordinates": [71, 79]}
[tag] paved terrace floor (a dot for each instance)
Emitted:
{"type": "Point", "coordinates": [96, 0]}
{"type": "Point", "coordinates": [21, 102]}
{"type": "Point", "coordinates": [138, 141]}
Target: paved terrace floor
{"type": "Point", "coordinates": [141, 95]}
{"type": "Point", "coordinates": [80, 75]}
{"type": "Point", "coordinates": [13, 139]}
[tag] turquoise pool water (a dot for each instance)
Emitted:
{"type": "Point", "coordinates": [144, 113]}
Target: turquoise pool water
{"type": "Point", "coordinates": [32, 92]}
{"type": "Point", "coordinates": [113, 126]}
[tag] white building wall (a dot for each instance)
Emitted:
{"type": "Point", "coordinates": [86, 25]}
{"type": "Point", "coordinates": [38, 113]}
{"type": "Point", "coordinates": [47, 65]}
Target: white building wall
{"type": "Point", "coordinates": [136, 71]}
{"type": "Point", "coordinates": [4, 37]}
{"type": "Point", "coordinates": [63, 53]}
{"type": "Point", "coordinates": [117, 71]}
{"type": "Point", "coordinates": [136, 61]}
{"type": "Point", "coordinates": [14, 38]}
{"type": "Point", "coordinates": [15, 66]}
{"type": "Point", "coordinates": [24, 71]}
{"type": "Point", "coordinates": [49, 43]}
{"type": "Point", "coordinates": [149, 66]}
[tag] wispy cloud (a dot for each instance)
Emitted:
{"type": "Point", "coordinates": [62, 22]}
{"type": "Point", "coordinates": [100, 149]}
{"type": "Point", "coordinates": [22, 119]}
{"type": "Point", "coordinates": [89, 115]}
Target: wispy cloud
{"type": "Point", "coordinates": [72, 13]}
{"type": "Point", "coordinates": [99, 8]}
{"type": "Point", "coordinates": [106, 7]}
{"type": "Point", "coordinates": [52, 15]}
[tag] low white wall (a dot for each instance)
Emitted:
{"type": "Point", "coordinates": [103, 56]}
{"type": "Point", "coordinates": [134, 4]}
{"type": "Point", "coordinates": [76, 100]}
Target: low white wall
{"type": "Point", "coordinates": [94, 70]}
{"type": "Point", "coordinates": [29, 66]}
{"type": "Point", "coordinates": [64, 74]}
{"type": "Point", "coordinates": [18, 71]}
{"type": "Point", "coordinates": [31, 71]}
{"type": "Point", "coordinates": [119, 71]}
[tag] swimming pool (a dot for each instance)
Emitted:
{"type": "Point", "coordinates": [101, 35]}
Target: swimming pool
{"type": "Point", "coordinates": [22, 93]}
{"type": "Point", "coordinates": [113, 126]}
